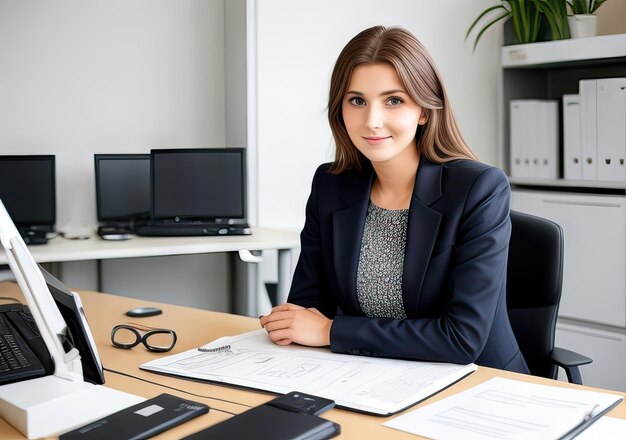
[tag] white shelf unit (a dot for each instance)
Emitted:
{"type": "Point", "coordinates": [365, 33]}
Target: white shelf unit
{"type": "Point", "coordinates": [552, 69]}
{"type": "Point", "coordinates": [592, 315]}
{"type": "Point", "coordinates": [604, 47]}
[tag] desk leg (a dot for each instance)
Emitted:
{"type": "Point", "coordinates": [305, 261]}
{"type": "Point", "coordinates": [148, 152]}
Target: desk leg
{"type": "Point", "coordinates": [244, 280]}
{"type": "Point", "coordinates": [99, 275]}
{"type": "Point", "coordinates": [284, 275]}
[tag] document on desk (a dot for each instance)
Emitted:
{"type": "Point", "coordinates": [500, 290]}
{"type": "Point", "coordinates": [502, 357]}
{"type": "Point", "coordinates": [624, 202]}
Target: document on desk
{"type": "Point", "coordinates": [607, 428]}
{"type": "Point", "coordinates": [509, 410]}
{"type": "Point", "coordinates": [374, 385]}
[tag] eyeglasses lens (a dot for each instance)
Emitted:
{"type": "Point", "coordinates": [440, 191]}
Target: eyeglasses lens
{"type": "Point", "coordinates": [160, 340]}
{"type": "Point", "coordinates": [124, 336]}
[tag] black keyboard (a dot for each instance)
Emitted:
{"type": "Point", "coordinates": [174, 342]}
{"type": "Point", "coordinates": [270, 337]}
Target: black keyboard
{"type": "Point", "coordinates": [172, 229]}
{"type": "Point", "coordinates": [17, 359]}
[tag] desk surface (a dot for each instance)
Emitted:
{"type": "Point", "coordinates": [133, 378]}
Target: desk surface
{"type": "Point", "coordinates": [196, 327]}
{"type": "Point", "coordinates": [60, 249]}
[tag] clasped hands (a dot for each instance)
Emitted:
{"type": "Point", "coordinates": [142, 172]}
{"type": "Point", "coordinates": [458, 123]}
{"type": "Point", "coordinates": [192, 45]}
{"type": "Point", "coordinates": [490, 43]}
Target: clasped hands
{"type": "Point", "coordinates": [289, 323]}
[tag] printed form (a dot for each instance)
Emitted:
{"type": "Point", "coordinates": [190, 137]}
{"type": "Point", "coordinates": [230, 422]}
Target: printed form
{"type": "Point", "coordinates": [507, 409]}
{"type": "Point", "coordinates": [375, 385]}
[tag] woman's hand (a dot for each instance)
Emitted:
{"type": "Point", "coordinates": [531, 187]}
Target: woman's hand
{"type": "Point", "coordinates": [289, 323]}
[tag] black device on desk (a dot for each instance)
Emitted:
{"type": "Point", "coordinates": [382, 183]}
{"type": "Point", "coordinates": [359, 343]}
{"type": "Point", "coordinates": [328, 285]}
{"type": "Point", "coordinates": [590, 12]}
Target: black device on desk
{"type": "Point", "coordinates": [197, 192]}
{"type": "Point", "coordinates": [141, 421]}
{"type": "Point", "coordinates": [122, 193]}
{"type": "Point", "coordinates": [28, 191]}
{"type": "Point", "coordinates": [292, 416]}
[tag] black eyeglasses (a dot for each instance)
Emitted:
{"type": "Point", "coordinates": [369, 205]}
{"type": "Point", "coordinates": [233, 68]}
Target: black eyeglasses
{"type": "Point", "coordinates": [154, 339]}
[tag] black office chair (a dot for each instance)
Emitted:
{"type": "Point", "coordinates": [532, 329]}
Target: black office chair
{"type": "Point", "coordinates": [534, 281]}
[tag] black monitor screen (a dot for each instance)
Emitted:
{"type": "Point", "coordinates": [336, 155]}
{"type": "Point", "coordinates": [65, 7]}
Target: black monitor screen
{"type": "Point", "coordinates": [198, 183]}
{"type": "Point", "coordinates": [27, 189]}
{"type": "Point", "coordinates": [122, 186]}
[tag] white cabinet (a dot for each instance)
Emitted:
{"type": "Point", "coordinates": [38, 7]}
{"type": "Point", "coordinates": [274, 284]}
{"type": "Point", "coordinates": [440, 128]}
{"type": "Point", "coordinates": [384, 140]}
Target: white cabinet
{"type": "Point", "coordinates": [592, 213]}
{"type": "Point", "coordinates": [594, 263]}
{"type": "Point", "coordinates": [607, 348]}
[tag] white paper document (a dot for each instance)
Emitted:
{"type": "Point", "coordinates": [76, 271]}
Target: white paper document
{"type": "Point", "coordinates": [506, 409]}
{"type": "Point", "coordinates": [606, 428]}
{"type": "Point", "coordinates": [376, 385]}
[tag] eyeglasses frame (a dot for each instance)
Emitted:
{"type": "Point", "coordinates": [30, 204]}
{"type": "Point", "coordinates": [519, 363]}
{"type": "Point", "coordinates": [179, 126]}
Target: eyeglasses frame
{"type": "Point", "coordinates": [143, 339]}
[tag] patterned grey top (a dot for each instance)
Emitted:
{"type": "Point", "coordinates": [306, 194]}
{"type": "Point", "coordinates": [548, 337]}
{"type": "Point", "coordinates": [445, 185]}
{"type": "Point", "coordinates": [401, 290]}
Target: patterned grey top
{"type": "Point", "coordinates": [381, 262]}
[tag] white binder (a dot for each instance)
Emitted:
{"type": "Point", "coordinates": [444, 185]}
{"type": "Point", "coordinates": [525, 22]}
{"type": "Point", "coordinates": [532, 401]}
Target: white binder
{"type": "Point", "coordinates": [547, 119]}
{"type": "Point", "coordinates": [523, 139]}
{"type": "Point", "coordinates": [532, 133]}
{"type": "Point", "coordinates": [611, 126]}
{"type": "Point", "coordinates": [516, 138]}
{"type": "Point", "coordinates": [572, 163]}
{"type": "Point", "coordinates": [534, 138]}
{"type": "Point", "coordinates": [588, 128]}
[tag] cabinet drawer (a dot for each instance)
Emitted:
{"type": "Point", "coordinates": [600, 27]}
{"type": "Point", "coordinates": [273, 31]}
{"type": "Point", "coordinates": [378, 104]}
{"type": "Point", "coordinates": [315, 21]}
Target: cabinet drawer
{"type": "Point", "coordinates": [594, 264]}
{"type": "Point", "coordinates": [606, 348]}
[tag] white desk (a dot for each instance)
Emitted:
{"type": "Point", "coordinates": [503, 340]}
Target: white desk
{"type": "Point", "coordinates": [61, 249]}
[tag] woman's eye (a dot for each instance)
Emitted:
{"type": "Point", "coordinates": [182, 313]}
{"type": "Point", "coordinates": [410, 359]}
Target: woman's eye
{"type": "Point", "coordinates": [394, 101]}
{"type": "Point", "coordinates": [357, 101]}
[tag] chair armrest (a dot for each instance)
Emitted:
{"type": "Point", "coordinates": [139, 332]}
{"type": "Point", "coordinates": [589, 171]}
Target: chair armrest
{"type": "Point", "coordinates": [570, 361]}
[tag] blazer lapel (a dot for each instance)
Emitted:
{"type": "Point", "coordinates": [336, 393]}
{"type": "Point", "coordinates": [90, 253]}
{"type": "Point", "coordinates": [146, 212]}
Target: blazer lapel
{"type": "Point", "coordinates": [348, 224]}
{"type": "Point", "coordinates": [421, 232]}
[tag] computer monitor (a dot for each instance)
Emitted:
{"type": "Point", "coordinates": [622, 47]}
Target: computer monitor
{"type": "Point", "coordinates": [122, 187]}
{"type": "Point", "coordinates": [202, 184]}
{"type": "Point", "coordinates": [28, 191]}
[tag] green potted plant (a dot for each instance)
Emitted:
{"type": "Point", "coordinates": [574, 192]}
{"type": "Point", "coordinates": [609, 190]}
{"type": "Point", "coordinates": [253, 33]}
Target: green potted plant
{"type": "Point", "coordinates": [525, 17]}
{"type": "Point", "coordinates": [583, 22]}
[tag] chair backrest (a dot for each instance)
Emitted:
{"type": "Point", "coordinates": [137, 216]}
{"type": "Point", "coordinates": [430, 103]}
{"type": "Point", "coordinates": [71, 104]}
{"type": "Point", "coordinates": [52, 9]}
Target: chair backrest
{"type": "Point", "coordinates": [534, 281]}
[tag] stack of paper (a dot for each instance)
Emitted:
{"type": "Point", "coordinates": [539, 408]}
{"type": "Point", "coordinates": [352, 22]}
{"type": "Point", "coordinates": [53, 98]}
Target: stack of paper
{"type": "Point", "coordinates": [509, 410]}
{"type": "Point", "coordinates": [374, 385]}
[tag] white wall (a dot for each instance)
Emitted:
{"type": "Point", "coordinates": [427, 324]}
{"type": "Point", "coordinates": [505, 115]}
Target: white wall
{"type": "Point", "coordinates": [106, 76]}
{"type": "Point", "coordinates": [235, 73]}
{"type": "Point", "coordinates": [114, 76]}
{"type": "Point", "coordinates": [297, 45]}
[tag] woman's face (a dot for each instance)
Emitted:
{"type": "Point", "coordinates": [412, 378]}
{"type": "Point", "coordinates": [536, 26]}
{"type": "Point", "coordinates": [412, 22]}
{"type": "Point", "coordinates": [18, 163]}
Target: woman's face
{"type": "Point", "coordinates": [380, 116]}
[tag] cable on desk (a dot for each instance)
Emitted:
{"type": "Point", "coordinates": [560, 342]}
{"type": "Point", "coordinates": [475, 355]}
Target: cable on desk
{"type": "Point", "coordinates": [182, 391]}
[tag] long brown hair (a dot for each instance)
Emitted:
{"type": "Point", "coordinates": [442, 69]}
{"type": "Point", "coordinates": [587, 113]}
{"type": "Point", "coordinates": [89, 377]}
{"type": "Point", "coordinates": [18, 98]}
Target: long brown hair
{"type": "Point", "coordinates": [439, 139]}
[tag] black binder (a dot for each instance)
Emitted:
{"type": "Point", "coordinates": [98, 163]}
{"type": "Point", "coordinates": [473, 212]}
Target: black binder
{"type": "Point", "coordinates": [141, 421]}
{"type": "Point", "coordinates": [268, 422]}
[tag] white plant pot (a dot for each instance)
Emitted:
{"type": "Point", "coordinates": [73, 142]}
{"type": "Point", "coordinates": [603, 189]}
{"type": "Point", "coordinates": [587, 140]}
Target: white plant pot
{"type": "Point", "coordinates": [583, 25]}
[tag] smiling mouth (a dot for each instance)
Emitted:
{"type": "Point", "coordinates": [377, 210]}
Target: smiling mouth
{"type": "Point", "coordinates": [375, 139]}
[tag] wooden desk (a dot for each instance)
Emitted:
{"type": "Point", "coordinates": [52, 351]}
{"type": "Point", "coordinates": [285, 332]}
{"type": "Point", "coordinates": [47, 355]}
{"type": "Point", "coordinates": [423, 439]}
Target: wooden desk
{"type": "Point", "coordinates": [62, 250]}
{"type": "Point", "coordinates": [196, 327]}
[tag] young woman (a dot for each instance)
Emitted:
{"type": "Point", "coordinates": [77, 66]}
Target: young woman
{"type": "Point", "coordinates": [405, 243]}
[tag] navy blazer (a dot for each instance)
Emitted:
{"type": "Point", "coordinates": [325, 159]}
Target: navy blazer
{"type": "Point", "coordinates": [454, 278]}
